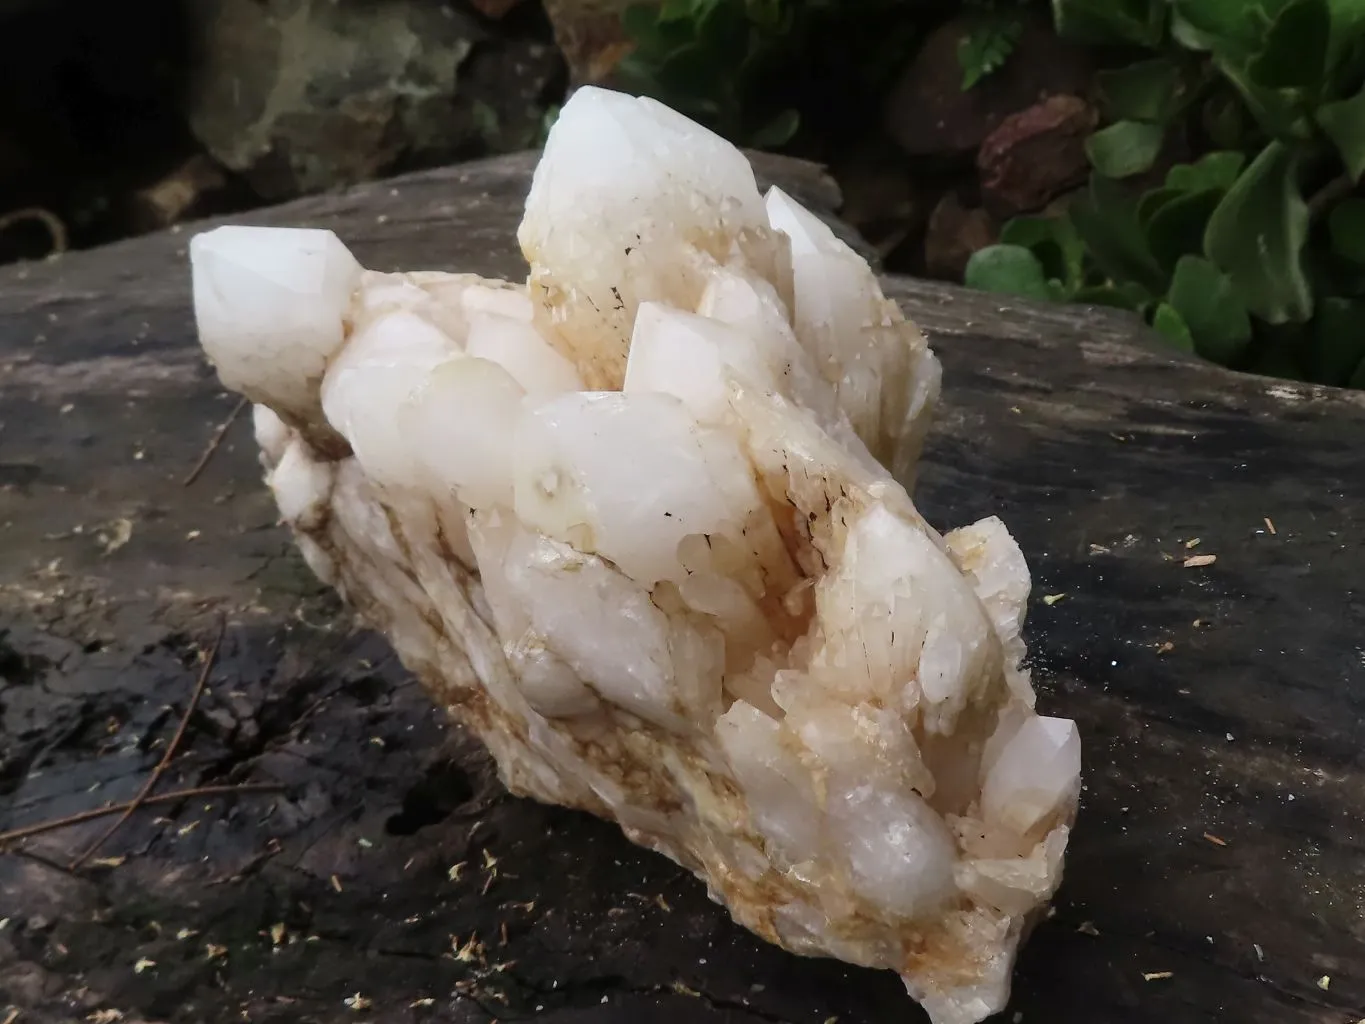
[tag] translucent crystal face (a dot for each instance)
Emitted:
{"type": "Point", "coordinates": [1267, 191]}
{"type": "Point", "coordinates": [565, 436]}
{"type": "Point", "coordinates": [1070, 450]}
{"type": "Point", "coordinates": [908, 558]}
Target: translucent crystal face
{"type": "Point", "coordinates": [637, 524]}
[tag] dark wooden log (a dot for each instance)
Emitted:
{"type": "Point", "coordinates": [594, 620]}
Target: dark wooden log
{"type": "Point", "coordinates": [1217, 873]}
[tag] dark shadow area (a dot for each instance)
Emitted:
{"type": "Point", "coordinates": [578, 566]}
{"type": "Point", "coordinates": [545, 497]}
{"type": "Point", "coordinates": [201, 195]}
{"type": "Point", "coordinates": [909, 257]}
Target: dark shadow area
{"type": "Point", "coordinates": [443, 790]}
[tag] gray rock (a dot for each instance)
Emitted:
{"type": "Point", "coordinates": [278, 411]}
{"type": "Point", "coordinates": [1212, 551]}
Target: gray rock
{"type": "Point", "coordinates": [304, 95]}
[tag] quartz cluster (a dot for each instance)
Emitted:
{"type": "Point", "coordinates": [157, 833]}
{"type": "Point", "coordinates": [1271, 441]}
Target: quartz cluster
{"type": "Point", "coordinates": [642, 524]}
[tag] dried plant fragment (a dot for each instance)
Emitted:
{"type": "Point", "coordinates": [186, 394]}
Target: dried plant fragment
{"type": "Point", "coordinates": [642, 524]}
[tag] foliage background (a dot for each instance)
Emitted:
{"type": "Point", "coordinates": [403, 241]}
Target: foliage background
{"type": "Point", "coordinates": [1222, 203]}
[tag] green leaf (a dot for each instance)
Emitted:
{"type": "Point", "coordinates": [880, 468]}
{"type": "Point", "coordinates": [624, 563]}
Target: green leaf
{"type": "Point", "coordinates": [1213, 170]}
{"type": "Point", "coordinates": [1055, 242]}
{"type": "Point", "coordinates": [1293, 54]}
{"type": "Point", "coordinates": [1229, 28]}
{"type": "Point", "coordinates": [1344, 123]}
{"type": "Point", "coordinates": [1237, 33]}
{"type": "Point", "coordinates": [1111, 22]}
{"type": "Point", "coordinates": [1151, 202]}
{"type": "Point", "coordinates": [1007, 270]}
{"type": "Point", "coordinates": [1207, 303]}
{"type": "Point", "coordinates": [1124, 148]}
{"type": "Point", "coordinates": [1281, 114]}
{"type": "Point", "coordinates": [1338, 341]}
{"type": "Point", "coordinates": [1177, 228]}
{"type": "Point", "coordinates": [986, 47]}
{"type": "Point", "coordinates": [1348, 29]}
{"type": "Point", "coordinates": [777, 132]}
{"type": "Point", "coordinates": [1106, 220]}
{"type": "Point", "coordinates": [1168, 321]}
{"type": "Point", "coordinates": [1145, 91]}
{"type": "Point", "coordinates": [1257, 235]}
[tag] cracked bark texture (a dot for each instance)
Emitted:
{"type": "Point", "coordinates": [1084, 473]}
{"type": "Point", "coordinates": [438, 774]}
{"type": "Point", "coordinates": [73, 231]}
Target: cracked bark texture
{"type": "Point", "coordinates": [1219, 835]}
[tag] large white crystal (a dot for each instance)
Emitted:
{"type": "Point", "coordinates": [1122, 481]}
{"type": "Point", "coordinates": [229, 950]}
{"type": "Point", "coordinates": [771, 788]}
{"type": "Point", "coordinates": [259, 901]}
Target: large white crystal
{"type": "Point", "coordinates": [637, 525]}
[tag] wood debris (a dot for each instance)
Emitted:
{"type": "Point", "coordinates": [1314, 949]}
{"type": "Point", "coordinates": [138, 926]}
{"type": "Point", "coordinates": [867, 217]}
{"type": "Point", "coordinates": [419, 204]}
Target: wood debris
{"type": "Point", "coordinates": [336, 883]}
{"type": "Point", "coordinates": [1193, 542]}
{"type": "Point", "coordinates": [1215, 840]}
{"type": "Point", "coordinates": [490, 865]}
{"type": "Point", "coordinates": [1325, 982]}
{"type": "Point", "coordinates": [1088, 928]}
{"type": "Point", "coordinates": [209, 658]}
{"type": "Point", "coordinates": [470, 951]}
{"type": "Point", "coordinates": [143, 964]}
{"type": "Point", "coordinates": [214, 442]}
{"type": "Point", "coordinates": [454, 873]}
{"type": "Point", "coordinates": [1270, 526]}
{"type": "Point", "coordinates": [1157, 975]}
{"type": "Point", "coordinates": [1165, 648]}
{"type": "Point", "coordinates": [1195, 561]}
{"type": "Point", "coordinates": [357, 1002]}
{"type": "Point", "coordinates": [1051, 599]}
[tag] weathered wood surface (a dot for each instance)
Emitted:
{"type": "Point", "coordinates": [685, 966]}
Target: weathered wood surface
{"type": "Point", "coordinates": [1218, 871]}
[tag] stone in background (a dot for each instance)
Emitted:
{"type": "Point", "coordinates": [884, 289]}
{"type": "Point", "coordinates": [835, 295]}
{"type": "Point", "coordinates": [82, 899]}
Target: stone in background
{"type": "Point", "coordinates": [304, 95]}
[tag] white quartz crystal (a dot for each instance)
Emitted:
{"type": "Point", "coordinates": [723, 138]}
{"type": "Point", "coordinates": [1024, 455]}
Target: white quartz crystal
{"type": "Point", "coordinates": [642, 524]}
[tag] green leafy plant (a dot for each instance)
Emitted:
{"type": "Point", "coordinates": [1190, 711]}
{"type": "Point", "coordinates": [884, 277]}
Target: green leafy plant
{"type": "Point", "coordinates": [984, 49]}
{"type": "Point", "coordinates": [993, 32]}
{"type": "Point", "coordinates": [754, 69]}
{"type": "Point", "coordinates": [697, 54]}
{"type": "Point", "coordinates": [1251, 255]}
